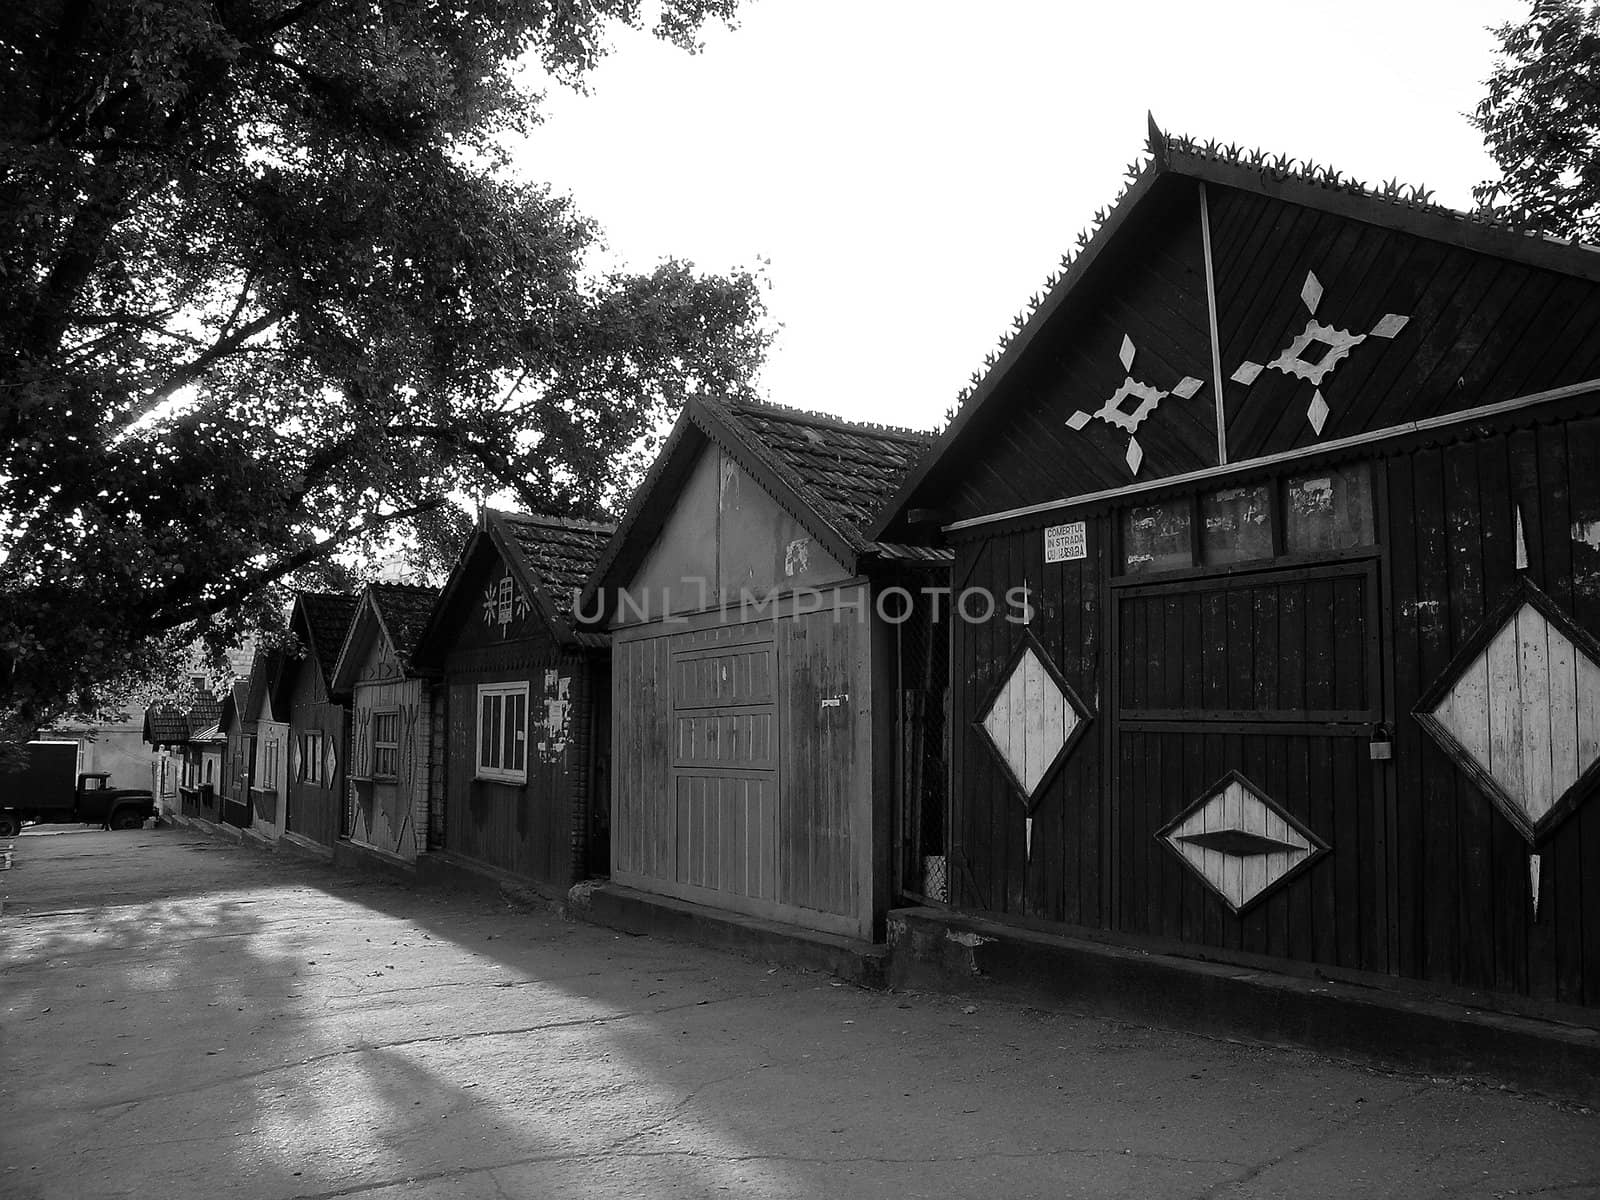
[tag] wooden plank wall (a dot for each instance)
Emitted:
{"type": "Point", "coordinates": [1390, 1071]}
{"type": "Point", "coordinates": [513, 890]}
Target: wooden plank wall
{"type": "Point", "coordinates": [530, 829]}
{"type": "Point", "coordinates": [1426, 879]}
{"type": "Point", "coordinates": [643, 824]}
{"type": "Point", "coordinates": [1464, 894]}
{"type": "Point", "coordinates": [990, 869]}
{"type": "Point", "coordinates": [822, 688]}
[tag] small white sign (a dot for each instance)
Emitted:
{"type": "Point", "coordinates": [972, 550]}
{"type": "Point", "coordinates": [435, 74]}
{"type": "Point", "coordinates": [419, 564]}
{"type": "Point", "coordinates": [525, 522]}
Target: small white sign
{"type": "Point", "coordinates": [1064, 543]}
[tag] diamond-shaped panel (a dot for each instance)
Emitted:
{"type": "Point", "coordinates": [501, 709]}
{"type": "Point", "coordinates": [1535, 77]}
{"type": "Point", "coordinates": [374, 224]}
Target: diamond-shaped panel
{"type": "Point", "coordinates": [1030, 719]}
{"type": "Point", "coordinates": [1240, 842]}
{"type": "Point", "coordinates": [1520, 711]}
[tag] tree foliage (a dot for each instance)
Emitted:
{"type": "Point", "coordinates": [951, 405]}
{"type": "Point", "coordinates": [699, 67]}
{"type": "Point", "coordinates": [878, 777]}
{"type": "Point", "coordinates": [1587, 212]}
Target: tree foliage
{"type": "Point", "coordinates": [1541, 121]}
{"type": "Point", "coordinates": [271, 286]}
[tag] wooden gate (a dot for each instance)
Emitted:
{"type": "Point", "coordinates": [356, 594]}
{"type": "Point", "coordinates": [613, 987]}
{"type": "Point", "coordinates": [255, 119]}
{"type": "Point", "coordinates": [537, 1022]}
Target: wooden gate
{"type": "Point", "coordinates": [724, 766]}
{"type": "Point", "coordinates": [1245, 708]}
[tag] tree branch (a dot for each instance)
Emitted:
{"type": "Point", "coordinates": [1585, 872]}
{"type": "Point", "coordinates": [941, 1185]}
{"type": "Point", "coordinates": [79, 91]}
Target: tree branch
{"type": "Point", "coordinates": [172, 617]}
{"type": "Point", "coordinates": [283, 20]}
{"type": "Point", "coordinates": [196, 367]}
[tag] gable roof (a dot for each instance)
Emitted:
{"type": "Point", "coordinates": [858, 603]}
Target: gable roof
{"type": "Point", "coordinates": [1407, 210]}
{"type": "Point", "coordinates": [829, 474]}
{"type": "Point", "coordinates": [233, 705]}
{"type": "Point", "coordinates": [205, 712]}
{"type": "Point", "coordinates": [553, 555]}
{"type": "Point", "coordinates": [551, 558]}
{"type": "Point", "coordinates": [165, 724]}
{"type": "Point", "coordinates": [325, 617]}
{"type": "Point", "coordinates": [404, 609]}
{"type": "Point", "coordinates": [398, 612]}
{"type": "Point", "coordinates": [264, 669]}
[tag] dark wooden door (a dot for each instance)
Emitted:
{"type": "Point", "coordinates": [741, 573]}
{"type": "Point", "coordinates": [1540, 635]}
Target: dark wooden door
{"type": "Point", "coordinates": [316, 773]}
{"type": "Point", "coordinates": [1248, 812]}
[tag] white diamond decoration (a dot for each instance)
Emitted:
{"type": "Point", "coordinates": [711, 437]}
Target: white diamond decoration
{"type": "Point", "coordinates": [1311, 292]}
{"type": "Point", "coordinates": [1239, 842]}
{"type": "Point", "coordinates": [1317, 411]}
{"type": "Point", "coordinates": [1526, 712]}
{"type": "Point", "coordinates": [1389, 325]}
{"type": "Point", "coordinates": [1029, 721]}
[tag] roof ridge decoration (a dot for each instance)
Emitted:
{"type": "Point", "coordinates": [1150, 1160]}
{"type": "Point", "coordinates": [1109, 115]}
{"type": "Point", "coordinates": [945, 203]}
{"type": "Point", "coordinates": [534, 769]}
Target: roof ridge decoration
{"type": "Point", "coordinates": [832, 420]}
{"type": "Point", "coordinates": [1162, 149]}
{"type": "Point", "coordinates": [551, 521]}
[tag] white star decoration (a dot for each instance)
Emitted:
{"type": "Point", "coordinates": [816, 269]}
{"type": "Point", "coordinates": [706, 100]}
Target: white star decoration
{"type": "Point", "coordinates": [1336, 343]}
{"type": "Point", "coordinates": [1149, 398]}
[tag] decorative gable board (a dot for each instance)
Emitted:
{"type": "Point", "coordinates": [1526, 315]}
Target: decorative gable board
{"type": "Point", "coordinates": [1474, 329]}
{"type": "Point", "coordinates": [1328, 325]}
{"type": "Point", "coordinates": [724, 536]}
{"type": "Point", "coordinates": [1149, 295]}
{"type": "Point", "coordinates": [490, 606]}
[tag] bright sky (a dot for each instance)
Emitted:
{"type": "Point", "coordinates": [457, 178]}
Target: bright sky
{"type": "Point", "coordinates": [913, 170]}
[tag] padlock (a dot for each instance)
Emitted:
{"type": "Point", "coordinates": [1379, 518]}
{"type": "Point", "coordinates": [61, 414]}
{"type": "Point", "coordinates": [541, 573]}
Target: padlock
{"type": "Point", "coordinates": [1381, 748]}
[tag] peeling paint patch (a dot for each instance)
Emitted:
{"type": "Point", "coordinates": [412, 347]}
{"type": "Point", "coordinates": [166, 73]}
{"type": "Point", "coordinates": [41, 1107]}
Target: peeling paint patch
{"type": "Point", "coordinates": [965, 937]}
{"type": "Point", "coordinates": [1412, 608]}
{"type": "Point", "coordinates": [797, 557]}
{"type": "Point", "coordinates": [557, 709]}
{"type": "Point", "coordinates": [1587, 532]}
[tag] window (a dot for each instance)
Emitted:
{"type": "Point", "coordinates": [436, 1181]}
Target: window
{"type": "Point", "coordinates": [385, 744]}
{"type": "Point", "coordinates": [311, 757]}
{"type": "Point", "coordinates": [503, 732]}
{"type": "Point", "coordinates": [269, 765]}
{"type": "Point", "coordinates": [211, 771]}
{"type": "Point", "coordinates": [1324, 512]}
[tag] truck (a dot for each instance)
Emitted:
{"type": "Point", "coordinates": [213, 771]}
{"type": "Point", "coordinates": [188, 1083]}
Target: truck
{"type": "Point", "coordinates": [42, 783]}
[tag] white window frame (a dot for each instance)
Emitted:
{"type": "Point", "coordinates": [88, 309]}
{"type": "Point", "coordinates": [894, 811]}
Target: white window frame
{"type": "Point", "coordinates": [492, 698]}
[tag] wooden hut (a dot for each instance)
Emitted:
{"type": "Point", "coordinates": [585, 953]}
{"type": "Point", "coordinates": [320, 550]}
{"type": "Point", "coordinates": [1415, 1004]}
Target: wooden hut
{"type": "Point", "coordinates": [753, 704]}
{"type": "Point", "coordinates": [524, 697]}
{"type": "Point", "coordinates": [390, 747]}
{"type": "Point", "coordinates": [1304, 480]}
{"type": "Point", "coordinates": [313, 791]}
{"type": "Point", "coordinates": [265, 726]}
{"type": "Point", "coordinates": [238, 757]}
{"type": "Point", "coordinates": [166, 729]}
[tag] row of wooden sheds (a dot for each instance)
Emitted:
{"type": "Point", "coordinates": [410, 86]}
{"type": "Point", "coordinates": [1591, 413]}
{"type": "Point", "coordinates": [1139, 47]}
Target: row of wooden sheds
{"type": "Point", "coordinates": [1246, 609]}
{"type": "Point", "coordinates": [677, 725]}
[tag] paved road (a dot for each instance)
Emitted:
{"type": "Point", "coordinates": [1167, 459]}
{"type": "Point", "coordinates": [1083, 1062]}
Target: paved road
{"type": "Point", "coordinates": [186, 1018]}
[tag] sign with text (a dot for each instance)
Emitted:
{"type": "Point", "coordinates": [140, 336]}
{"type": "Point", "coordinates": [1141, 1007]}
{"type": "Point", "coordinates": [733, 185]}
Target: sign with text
{"type": "Point", "coordinates": [1064, 543]}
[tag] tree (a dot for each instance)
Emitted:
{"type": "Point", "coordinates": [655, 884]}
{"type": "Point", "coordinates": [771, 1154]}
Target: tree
{"type": "Point", "coordinates": [1541, 121]}
{"type": "Point", "coordinates": [270, 288]}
